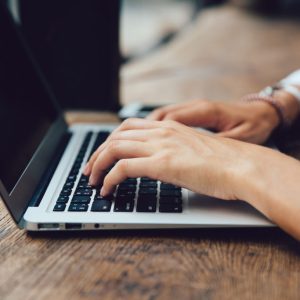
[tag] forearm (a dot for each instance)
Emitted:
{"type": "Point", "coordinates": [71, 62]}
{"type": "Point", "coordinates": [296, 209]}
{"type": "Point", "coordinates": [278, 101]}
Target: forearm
{"type": "Point", "coordinates": [273, 188]}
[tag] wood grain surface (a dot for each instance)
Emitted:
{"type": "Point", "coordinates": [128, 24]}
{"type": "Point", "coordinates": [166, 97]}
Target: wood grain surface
{"type": "Point", "coordinates": [172, 264]}
{"type": "Point", "coordinates": [166, 264]}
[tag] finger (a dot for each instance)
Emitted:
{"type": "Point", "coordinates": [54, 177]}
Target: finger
{"type": "Point", "coordinates": [115, 151]}
{"type": "Point", "coordinates": [132, 123]}
{"type": "Point", "coordinates": [238, 132]}
{"type": "Point", "coordinates": [127, 168]}
{"type": "Point", "coordinates": [204, 115]}
{"type": "Point", "coordinates": [140, 135]}
{"type": "Point", "coordinates": [159, 113]}
{"type": "Point", "coordinates": [89, 165]}
{"type": "Point", "coordinates": [130, 135]}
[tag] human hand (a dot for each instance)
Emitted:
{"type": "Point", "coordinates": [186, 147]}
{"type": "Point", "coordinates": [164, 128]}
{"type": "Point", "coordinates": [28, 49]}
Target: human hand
{"type": "Point", "coordinates": [251, 122]}
{"type": "Point", "coordinates": [171, 152]}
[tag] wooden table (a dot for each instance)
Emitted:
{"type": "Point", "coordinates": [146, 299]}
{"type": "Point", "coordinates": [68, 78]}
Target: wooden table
{"type": "Point", "coordinates": [169, 264]}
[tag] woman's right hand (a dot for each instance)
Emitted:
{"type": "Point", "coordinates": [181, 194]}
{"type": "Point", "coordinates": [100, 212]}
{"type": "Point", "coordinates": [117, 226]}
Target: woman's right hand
{"type": "Point", "coordinates": [215, 166]}
{"type": "Point", "coordinates": [251, 122]}
{"type": "Point", "coordinates": [172, 152]}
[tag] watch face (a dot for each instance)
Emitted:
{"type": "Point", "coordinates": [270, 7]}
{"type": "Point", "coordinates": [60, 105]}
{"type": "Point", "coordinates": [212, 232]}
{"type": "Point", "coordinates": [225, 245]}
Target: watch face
{"type": "Point", "coordinates": [269, 91]}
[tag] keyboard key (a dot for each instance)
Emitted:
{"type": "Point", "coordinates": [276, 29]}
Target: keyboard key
{"type": "Point", "coordinates": [99, 197]}
{"type": "Point", "coordinates": [77, 165]}
{"type": "Point", "coordinates": [84, 179]}
{"type": "Point", "coordinates": [59, 207]}
{"type": "Point", "coordinates": [126, 194]}
{"type": "Point", "coordinates": [167, 186]}
{"type": "Point", "coordinates": [74, 171]}
{"type": "Point", "coordinates": [146, 205]}
{"type": "Point", "coordinates": [148, 191]}
{"type": "Point", "coordinates": [124, 205]}
{"type": "Point", "coordinates": [81, 199]}
{"type": "Point", "coordinates": [170, 193]}
{"type": "Point", "coordinates": [69, 185]}
{"type": "Point", "coordinates": [170, 200]}
{"type": "Point", "coordinates": [148, 184]}
{"type": "Point", "coordinates": [66, 192]}
{"type": "Point", "coordinates": [130, 181]}
{"type": "Point", "coordinates": [71, 178]}
{"type": "Point", "coordinates": [62, 199]}
{"type": "Point", "coordinates": [101, 205]}
{"type": "Point", "coordinates": [80, 207]}
{"type": "Point", "coordinates": [85, 192]}
{"type": "Point", "coordinates": [84, 186]}
{"type": "Point", "coordinates": [143, 179]}
{"type": "Point", "coordinates": [166, 208]}
{"type": "Point", "coordinates": [126, 187]}
{"type": "Point", "coordinates": [78, 160]}
{"type": "Point", "coordinates": [125, 198]}
{"type": "Point", "coordinates": [100, 139]}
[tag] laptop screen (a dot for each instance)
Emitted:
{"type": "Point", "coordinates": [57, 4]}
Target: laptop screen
{"type": "Point", "coordinates": [25, 116]}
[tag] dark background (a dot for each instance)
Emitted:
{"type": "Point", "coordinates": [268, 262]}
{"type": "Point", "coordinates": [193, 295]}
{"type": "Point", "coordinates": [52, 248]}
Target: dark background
{"type": "Point", "coordinates": [76, 44]}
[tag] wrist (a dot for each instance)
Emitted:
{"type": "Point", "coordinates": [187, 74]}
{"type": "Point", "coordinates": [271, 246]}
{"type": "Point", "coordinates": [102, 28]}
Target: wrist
{"type": "Point", "coordinates": [267, 113]}
{"type": "Point", "coordinates": [289, 104]}
{"type": "Point", "coordinates": [251, 180]}
{"type": "Point", "coordinates": [263, 181]}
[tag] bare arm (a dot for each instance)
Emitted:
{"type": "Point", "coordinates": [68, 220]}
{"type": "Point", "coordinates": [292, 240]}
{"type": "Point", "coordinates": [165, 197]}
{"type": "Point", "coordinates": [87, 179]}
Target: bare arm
{"type": "Point", "coordinates": [274, 189]}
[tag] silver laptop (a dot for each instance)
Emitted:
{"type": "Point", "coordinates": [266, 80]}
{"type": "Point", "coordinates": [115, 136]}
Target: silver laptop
{"type": "Point", "coordinates": [41, 162]}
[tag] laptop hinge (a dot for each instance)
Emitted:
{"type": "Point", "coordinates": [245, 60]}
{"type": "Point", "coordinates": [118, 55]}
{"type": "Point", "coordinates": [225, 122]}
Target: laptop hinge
{"type": "Point", "coordinates": [47, 176]}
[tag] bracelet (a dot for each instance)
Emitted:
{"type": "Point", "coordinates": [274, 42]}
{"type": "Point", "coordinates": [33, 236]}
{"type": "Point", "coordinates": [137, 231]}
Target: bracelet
{"type": "Point", "coordinates": [292, 90]}
{"type": "Point", "coordinates": [284, 121]}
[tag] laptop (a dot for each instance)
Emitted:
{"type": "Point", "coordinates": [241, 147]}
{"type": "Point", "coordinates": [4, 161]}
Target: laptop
{"type": "Point", "coordinates": [41, 163]}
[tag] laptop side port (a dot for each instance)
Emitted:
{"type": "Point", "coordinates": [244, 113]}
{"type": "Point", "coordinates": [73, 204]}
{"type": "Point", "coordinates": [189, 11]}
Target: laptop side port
{"type": "Point", "coordinates": [73, 226]}
{"type": "Point", "coordinates": [48, 226]}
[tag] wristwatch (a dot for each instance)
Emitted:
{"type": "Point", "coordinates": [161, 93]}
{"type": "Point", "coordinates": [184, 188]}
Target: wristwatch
{"type": "Point", "coordinates": [291, 89]}
{"type": "Point", "coordinates": [269, 91]}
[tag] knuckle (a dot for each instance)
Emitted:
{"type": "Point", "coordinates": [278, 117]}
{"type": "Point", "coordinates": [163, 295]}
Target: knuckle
{"type": "Point", "coordinates": [159, 111]}
{"type": "Point", "coordinates": [106, 180]}
{"type": "Point", "coordinates": [113, 146]}
{"type": "Point", "coordinates": [172, 117]}
{"type": "Point", "coordinates": [164, 166]}
{"type": "Point", "coordinates": [122, 166]}
{"type": "Point", "coordinates": [129, 122]}
{"type": "Point", "coordinates": [207, 105]}
{"type": "Point", "coordinates": [126, 124]}
{"type": "Point", "coordinates": [166, 132]}
{"type": "Point", "coordinates": [172, 124]}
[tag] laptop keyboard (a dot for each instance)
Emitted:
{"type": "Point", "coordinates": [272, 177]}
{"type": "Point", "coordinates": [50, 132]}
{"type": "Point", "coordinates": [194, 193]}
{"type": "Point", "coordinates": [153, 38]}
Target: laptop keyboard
{"type": "Point", "coordinates": [134, 194]}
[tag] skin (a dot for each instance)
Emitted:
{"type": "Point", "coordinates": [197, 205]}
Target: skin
{"type": "Point", "coordinates": [215, 165]}
{"type": "Point", "coordinates": [212, 165]}
{"type": "Point", "coordinates": [251, 122]}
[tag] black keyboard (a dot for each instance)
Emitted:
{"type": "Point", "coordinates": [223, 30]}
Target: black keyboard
{"type": "Point", "coordinates": [134, 194]}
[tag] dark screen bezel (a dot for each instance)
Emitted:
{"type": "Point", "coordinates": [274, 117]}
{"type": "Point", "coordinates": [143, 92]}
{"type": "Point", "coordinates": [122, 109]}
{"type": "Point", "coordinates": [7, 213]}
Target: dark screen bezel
{"type": "Point", "coordinates": [19, 198]}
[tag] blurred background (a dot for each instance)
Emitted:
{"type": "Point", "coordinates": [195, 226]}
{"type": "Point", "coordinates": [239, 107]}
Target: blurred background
{"type": "Point", "coordinates": [99, 55]}
{"type": "Point", "coordinates": [178, 50]}
{"type": "Point", "coordinates": [146, 24]}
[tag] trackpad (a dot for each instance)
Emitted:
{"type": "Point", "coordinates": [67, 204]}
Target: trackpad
{"type": "Point", "coordinates": [210, 204]}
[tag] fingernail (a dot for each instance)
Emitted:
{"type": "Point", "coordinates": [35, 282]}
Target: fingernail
{"type": "Point", "coordinates": [103, 192]}
{"type": "Point", "coordinates": [86, 169]}
{"type": "Point", "coordinates": [91, 181]}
